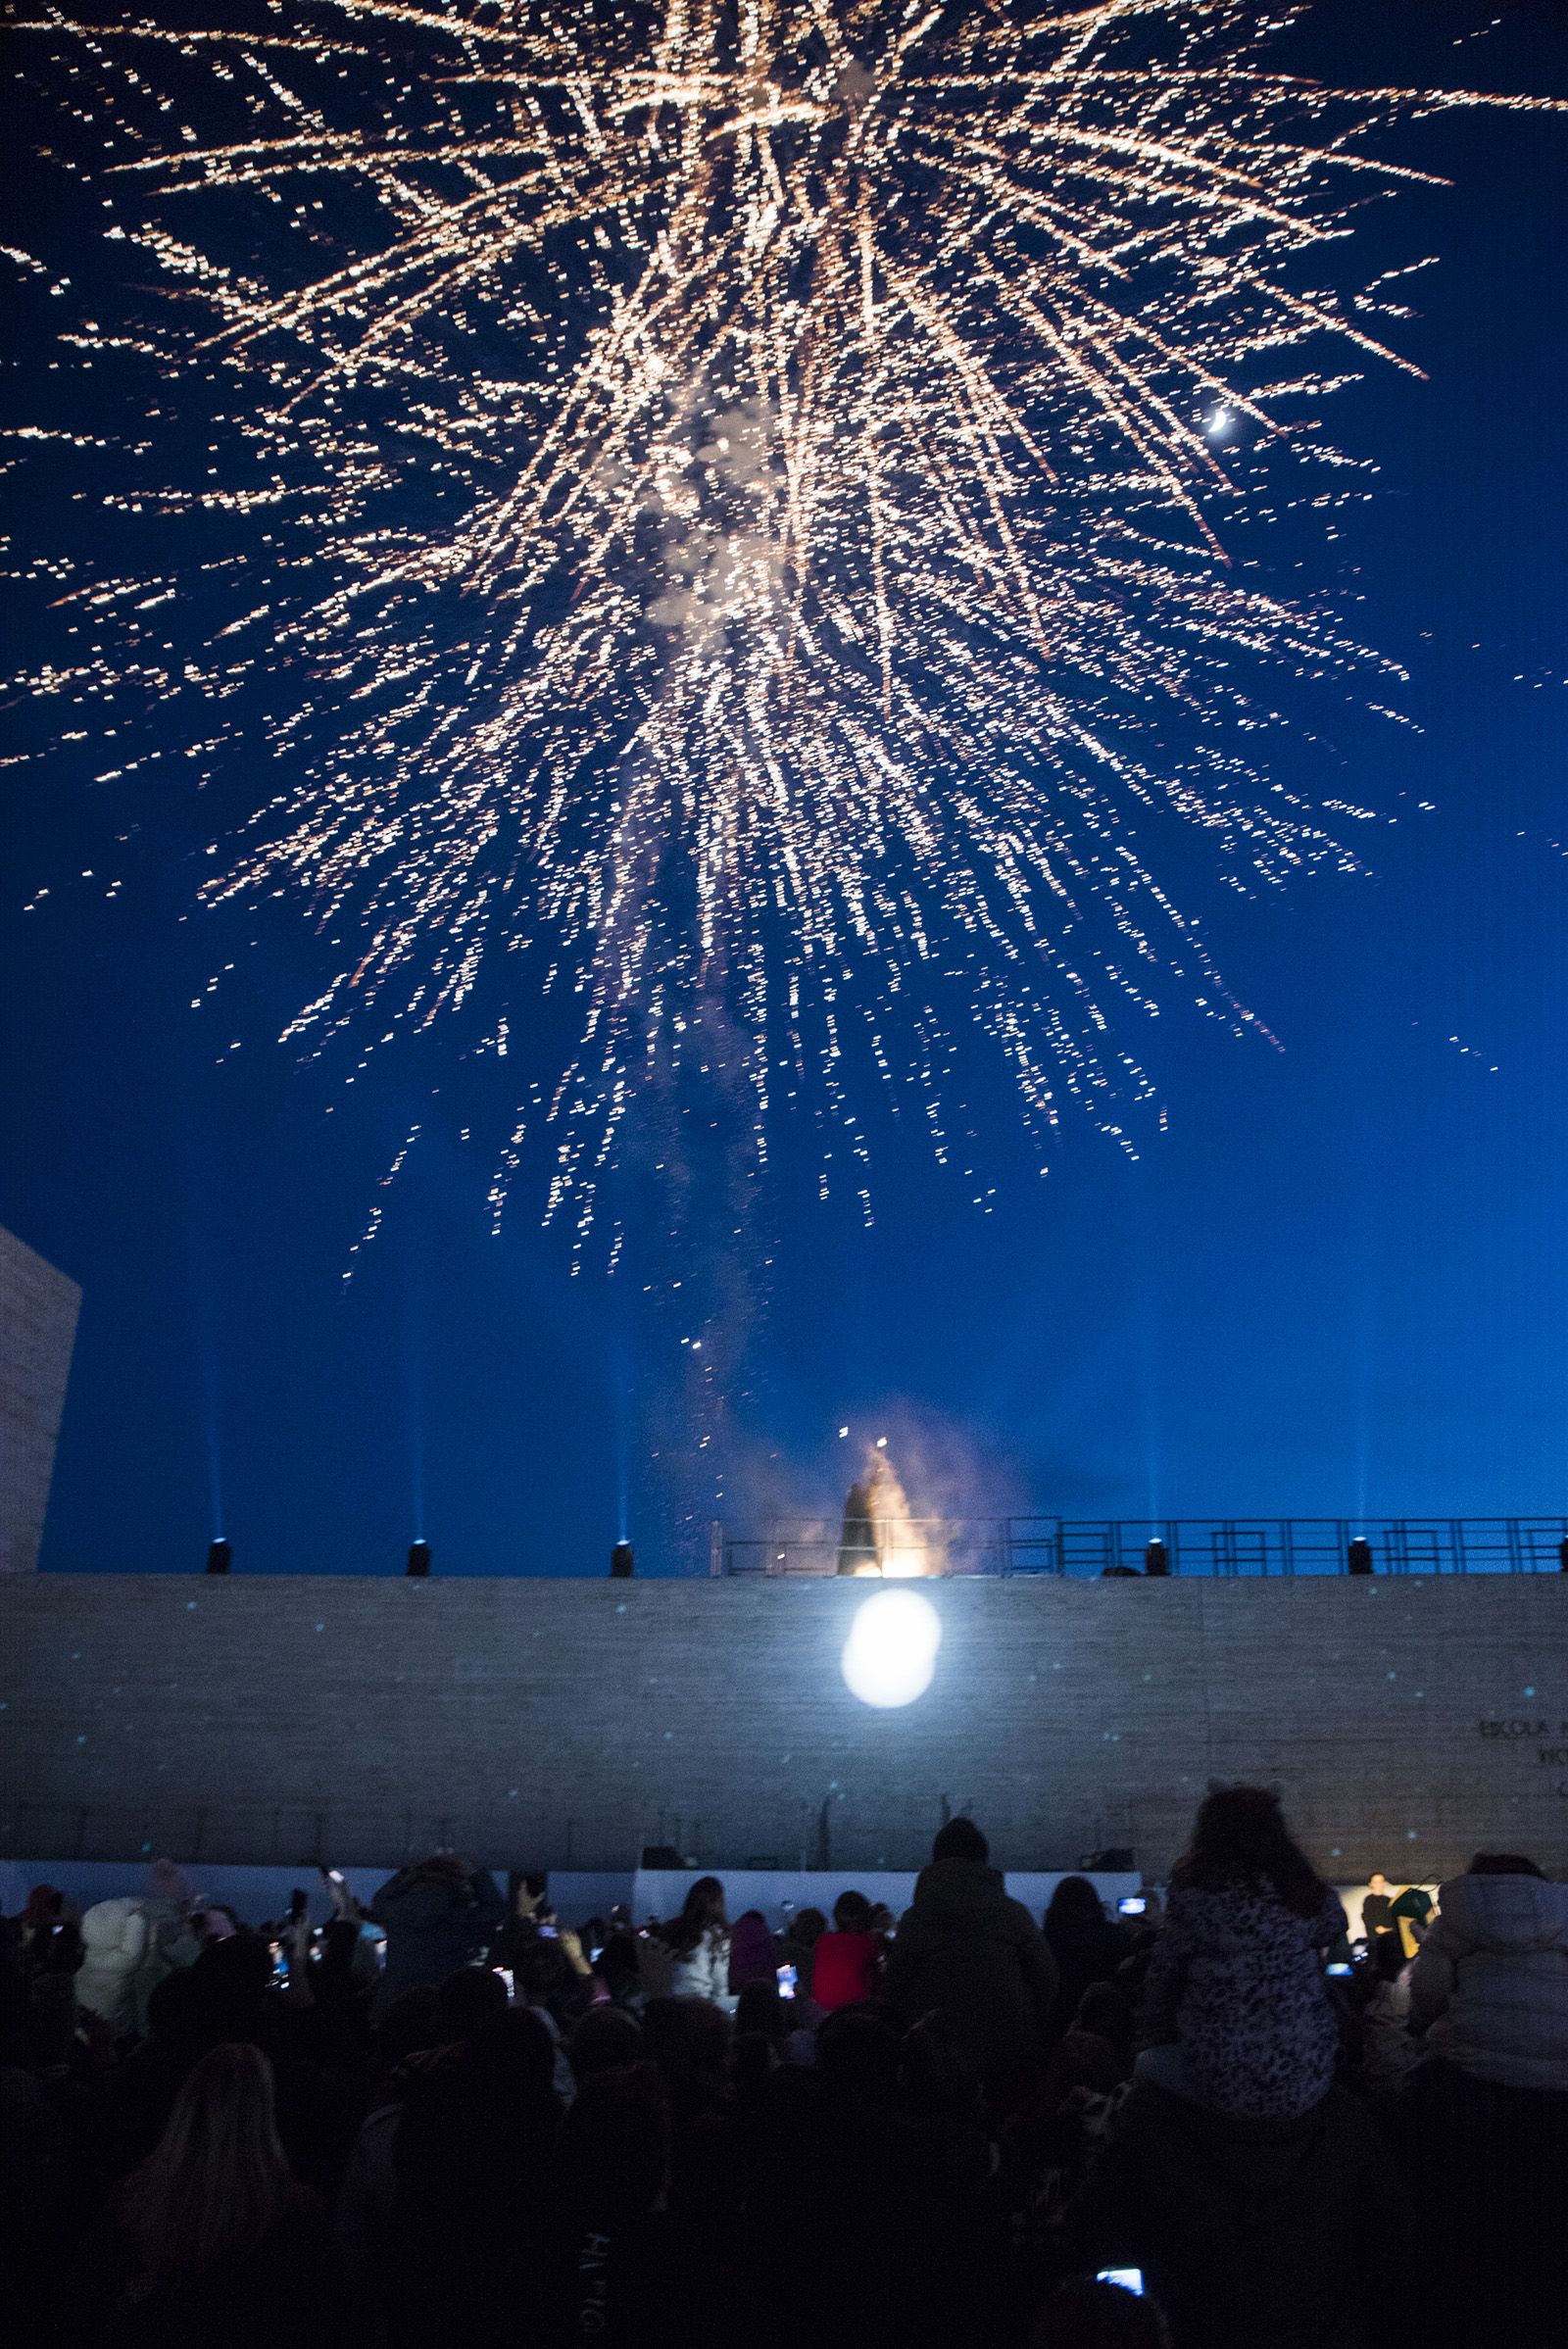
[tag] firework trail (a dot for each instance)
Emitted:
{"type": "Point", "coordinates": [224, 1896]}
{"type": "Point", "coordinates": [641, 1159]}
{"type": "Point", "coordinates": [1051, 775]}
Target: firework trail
{"type": "Point", "coordinates": [719, 514]}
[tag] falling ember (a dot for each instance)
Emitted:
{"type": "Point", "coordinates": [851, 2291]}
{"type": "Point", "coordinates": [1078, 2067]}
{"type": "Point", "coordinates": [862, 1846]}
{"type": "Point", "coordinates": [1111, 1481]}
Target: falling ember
{"type": "Point", "coordinates": [720, 520]}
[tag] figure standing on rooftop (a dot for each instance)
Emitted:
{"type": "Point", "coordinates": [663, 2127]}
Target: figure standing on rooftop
{"type": "Point", "coordinates": [859, 1551]}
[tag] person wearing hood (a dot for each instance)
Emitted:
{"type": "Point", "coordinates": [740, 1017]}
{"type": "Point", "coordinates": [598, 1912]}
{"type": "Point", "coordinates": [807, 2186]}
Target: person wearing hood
{"type": "Point", "coordinates": [965, 1950]}
{"type": "Point", "coordinates": [1236, 2010]}
{"type": "Point", "coordinates": [439, 1915]}
{"type": "Point", "coordinates": [115, 1935]}
{"type": "Point", "coordinates": [1483, 2121]}
{"type": "Point", "coordinates": [1489, 1989]}
{"type": "Point", "coordinates": [752, 1955]}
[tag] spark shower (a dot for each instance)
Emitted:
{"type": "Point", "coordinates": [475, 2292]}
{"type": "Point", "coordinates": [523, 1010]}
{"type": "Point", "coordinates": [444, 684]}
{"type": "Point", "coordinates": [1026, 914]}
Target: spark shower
{"type": "Point", "coordinates": [724, 516]}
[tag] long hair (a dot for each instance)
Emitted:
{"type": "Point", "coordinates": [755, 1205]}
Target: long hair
{"type": "Point", "coordinates": [1240, 1837]}
{"type": "Point", "coordinates": [703, 1913]}
{"type": "Point", "coordinates": [217, 2180]}
{"type": "Point", "coordinates": [1073, 1905]}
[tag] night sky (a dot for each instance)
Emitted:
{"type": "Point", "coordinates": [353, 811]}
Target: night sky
{"type": "Point", "coordinates": [1336, 1283]}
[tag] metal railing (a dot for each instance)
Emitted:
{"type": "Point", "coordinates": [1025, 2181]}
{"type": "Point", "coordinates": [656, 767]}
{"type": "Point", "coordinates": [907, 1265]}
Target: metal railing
{"type": "Point", "coordinates": [1193, 1546]}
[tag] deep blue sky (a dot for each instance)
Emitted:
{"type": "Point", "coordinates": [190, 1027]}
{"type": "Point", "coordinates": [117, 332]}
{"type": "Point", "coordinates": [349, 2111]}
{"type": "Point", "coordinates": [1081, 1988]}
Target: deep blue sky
{"type": "Point", "coordinates": [1338, 1283]}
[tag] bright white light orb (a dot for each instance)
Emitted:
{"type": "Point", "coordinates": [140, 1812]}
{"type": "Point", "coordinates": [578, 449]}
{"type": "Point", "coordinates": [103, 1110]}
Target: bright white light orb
{"type": "Point", "coordinates": [891, 1652]}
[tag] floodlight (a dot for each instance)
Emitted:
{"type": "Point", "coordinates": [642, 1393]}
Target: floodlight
{"type": "Point", "coordinates": [891, 1653]}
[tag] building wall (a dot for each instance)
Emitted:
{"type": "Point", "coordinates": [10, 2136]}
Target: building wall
{"type": "Point", "coordinates": [38, 1308]}
{"type": "Point", "coordinates": [570, 1723]}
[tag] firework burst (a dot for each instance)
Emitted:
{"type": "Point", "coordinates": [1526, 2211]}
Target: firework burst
{"type": "Point", "coordinates": [719, 513]}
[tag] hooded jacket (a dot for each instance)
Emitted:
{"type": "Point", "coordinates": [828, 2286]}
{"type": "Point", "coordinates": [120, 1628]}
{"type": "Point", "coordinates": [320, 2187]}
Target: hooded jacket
{"type": "Point", "coordinates": [114, 1934]}
{"type": "Point", "coordinates": [751, 1951]}
{"type": "Point", "coordinates": [434, 1924]}
{"type": "Point", "coordinates": [964, 1946]}
{"type": "Point", "coordinates": [1237, 1980]}
{"type": "Point", "coordinates": [1489, 1986]}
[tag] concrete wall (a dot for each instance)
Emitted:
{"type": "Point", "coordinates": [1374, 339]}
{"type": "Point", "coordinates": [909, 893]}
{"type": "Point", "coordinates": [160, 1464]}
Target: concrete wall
{"type": "Point", "coordinates": [259, 1895]}
{"type": "Point", "coordinates": [38, 1308]}
{"type": "Point", "coordinates": [570, 1723]}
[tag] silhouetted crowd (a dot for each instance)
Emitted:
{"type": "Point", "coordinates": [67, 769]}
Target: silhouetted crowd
{"type": "Point", "coordinates": [450, 2118]}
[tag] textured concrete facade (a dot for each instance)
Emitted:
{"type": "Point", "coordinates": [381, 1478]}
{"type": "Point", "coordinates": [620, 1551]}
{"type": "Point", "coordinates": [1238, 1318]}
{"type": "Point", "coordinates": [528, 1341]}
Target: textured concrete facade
{"type": "Point", "coordinates": [38, 1308]}
{"type": "Point", "coordinates": [570, 1723]}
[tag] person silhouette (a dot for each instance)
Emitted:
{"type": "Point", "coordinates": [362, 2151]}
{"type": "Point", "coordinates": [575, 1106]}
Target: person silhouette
{"type": "Point", "coordinates": [859, 1550]}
